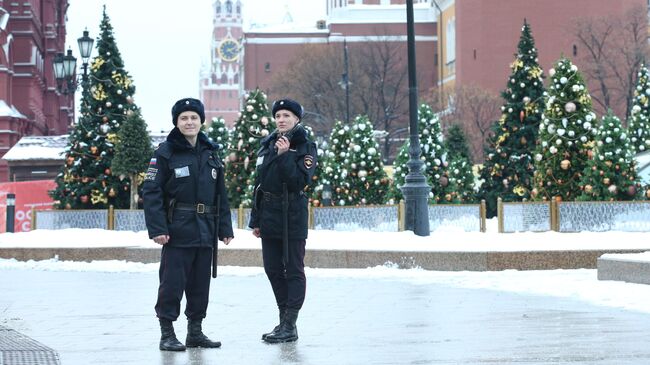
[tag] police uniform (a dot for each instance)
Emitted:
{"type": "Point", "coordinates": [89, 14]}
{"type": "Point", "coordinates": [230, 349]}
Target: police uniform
{"type": "Point", "coordinates": [294, 168]}
{"type": "Point", "coordinates": [185, 197]}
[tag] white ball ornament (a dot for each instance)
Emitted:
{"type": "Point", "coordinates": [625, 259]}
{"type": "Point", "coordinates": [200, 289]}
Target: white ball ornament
{"type": "Point", "coordinates": [551, 72]}
{"type": "Point", "coordinates": [563, 80]}
{"type": "Point", "coordinates": [570, 107]}
{"type": "Point", "coordinates": [363, 173]}
{"type": "Point", "coordinates": [372, 151]}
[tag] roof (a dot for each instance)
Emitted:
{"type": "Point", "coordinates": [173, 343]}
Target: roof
{"type": "Point", "coordinates": [52, 147]}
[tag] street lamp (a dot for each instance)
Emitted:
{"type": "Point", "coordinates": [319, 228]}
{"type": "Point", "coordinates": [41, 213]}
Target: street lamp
{"type": "Point", "coordinates": [345, 82]}
{"type": "Point", "coordinates": [65, 66]}
{"type": "Point", "coordinates": [415, 190]}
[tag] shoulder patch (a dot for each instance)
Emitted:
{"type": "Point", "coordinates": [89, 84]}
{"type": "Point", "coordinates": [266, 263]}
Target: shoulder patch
{"type": "Point", "coordinates": [309, 161]}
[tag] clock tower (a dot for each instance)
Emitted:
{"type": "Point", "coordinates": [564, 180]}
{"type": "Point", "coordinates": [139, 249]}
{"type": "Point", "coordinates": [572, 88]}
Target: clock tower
{"type": "Point", "coordinates": [220, 87]}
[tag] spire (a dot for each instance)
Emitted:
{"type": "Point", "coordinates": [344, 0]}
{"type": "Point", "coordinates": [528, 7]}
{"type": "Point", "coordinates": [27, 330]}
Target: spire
{"type": "Point", "coordinates": [287, 16]}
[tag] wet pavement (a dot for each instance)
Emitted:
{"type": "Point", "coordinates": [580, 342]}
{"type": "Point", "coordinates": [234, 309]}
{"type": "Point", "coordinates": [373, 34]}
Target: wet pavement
{"type": "Point", "coordinates": [108, 318]}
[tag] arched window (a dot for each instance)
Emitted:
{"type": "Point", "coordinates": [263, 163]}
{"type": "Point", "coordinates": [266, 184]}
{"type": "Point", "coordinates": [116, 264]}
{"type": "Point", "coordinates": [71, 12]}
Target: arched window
{"type": "Point", "coordinates": [238, 7]}
{"type": "Point", "coordinates": [229, 7]}
{"type": "Point", "coordinates": [218, 7]}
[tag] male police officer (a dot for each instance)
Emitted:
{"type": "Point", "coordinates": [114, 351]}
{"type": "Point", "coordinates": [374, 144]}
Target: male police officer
{"type": "Point", "coordinates": [285, 165]}
{"type": "Point", "coordinates": [186, 210]}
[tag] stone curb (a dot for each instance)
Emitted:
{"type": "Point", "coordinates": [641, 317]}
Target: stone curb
{"type": "Point", "coordinates": [439, 261]}
{"type": "Point", "coordinates": [624, 270]}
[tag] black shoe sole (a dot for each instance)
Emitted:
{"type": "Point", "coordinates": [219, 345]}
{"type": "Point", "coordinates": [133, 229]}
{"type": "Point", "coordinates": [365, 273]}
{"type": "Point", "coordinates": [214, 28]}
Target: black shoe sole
{"type": "Point", "coordinates": [169, 349]}
{"type": "Point", "coordinates": [283, 340]}
{"type": "Point", "coordinates": [204, 347]}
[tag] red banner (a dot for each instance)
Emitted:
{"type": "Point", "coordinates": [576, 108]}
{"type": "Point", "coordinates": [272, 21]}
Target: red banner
{"type": "Point", "coordinates": [29, 194]}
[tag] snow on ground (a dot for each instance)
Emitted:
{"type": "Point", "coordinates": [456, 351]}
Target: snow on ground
{"type": "Point", "coordinates": [444, 239]}
{"type": "Point", "coordinates": [577, 284]}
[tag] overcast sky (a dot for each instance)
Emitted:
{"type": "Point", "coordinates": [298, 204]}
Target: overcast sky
{"type": "Point", "coordinates": [165, 42]}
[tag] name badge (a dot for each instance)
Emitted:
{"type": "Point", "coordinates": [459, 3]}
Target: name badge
{"type": "Point", "coordinates": [260, 160]}
{"type": "Point", "coordinates": [182, 171]}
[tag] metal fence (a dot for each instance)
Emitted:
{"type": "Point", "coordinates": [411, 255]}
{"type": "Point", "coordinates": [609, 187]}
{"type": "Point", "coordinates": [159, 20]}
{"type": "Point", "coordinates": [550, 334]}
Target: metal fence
{"type": "Point", "coordinates": [379, 218]}
{"type": "Point", "coordinates": [630, 216]}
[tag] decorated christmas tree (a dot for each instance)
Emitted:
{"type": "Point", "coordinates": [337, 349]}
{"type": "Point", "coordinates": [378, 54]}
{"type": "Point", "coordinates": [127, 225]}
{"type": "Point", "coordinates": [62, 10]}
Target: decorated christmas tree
{"type": "Point", "coordinates": [335, 173]}
{"type": "Point", "coordinates": [254, 123]}
{"type": "Point", "coordinates": [508, 168]}
{"type": "Point", "coordinates": [566, 135]}
{"type": "Point", "coordinates": [369, 182]}
{"type": "Point", "coordinates": [218, 133]}
{"type": "Point", "coordinates": [132, 153]}
{"type": "Point", "coordinates": [639, 122]}
{"type": "Point", "coordinates": [433, 156]}
{"type": "Point", "coordinates": [86, 181]}
{"type": "Point", "coordinates": [610, 173]}
{"type": "Point", "coordinates": [461, 176]}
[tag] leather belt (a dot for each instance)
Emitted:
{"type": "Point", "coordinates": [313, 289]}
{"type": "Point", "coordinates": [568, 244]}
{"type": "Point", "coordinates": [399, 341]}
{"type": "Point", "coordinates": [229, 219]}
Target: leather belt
{"type": "Point", "coordinates": [198, 208]}
{"type": "Point", "coordinates": [268, 196]}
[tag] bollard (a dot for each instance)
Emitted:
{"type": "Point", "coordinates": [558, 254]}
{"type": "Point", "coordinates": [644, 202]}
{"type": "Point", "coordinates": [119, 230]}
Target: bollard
{"type": "Point", "coordinates": [11, 211]}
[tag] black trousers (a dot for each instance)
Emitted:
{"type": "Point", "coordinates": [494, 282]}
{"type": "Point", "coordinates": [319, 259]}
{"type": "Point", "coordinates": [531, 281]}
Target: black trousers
{"type": "Point", "coordinates": [184, 270]}
{"type": "Point", "coordinates": [289, 283]}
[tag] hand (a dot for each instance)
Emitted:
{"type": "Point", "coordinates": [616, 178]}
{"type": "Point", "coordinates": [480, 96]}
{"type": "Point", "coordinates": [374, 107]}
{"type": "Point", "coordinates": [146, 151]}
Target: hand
{"type": "Point", "coordinates": [227, 240]}
{"type": "Point", "coordinates": [282, 145]}
{"type": "Point", "coordinates": [162, 239]}
{"type": "Point", "coordinates": [256, 232]}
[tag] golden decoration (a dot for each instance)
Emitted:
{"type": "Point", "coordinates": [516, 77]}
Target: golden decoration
{"type": "Point", "coordinates": [517, 64]}
{"type": "Point", "coordinates": [519, 190]}
{"type": "Point", "coordinates": [97, 63]}
{"type": "Point", "coordinates": [99, 93]}
{"type": "Point", "coordinates": [535, 72]}
{"type": "Point", "coordinates": [98, 197]}
{"type": "Point", "coordinates": [112, 137]}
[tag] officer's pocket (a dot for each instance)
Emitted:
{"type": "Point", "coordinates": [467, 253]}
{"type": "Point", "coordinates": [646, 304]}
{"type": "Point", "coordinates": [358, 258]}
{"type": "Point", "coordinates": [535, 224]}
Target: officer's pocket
{"type": "Point", "coordinates": [271, 217]}
{"type": "Point", "coordinates": [182, 226]}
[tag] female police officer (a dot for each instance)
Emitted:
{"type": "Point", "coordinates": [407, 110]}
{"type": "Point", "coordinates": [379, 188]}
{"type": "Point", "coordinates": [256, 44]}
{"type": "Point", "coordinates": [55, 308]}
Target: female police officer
{"type": "Point", "coordinates": [186, 221]}
{"type": "Point", "coordinates": [285, 165]}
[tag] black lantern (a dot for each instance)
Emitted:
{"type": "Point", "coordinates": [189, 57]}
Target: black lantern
{"type": "Point", "coordinates": [65, 66]}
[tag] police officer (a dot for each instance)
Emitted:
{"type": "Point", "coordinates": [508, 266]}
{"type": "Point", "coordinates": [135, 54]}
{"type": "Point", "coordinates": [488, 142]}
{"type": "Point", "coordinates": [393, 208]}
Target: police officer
{"type": "Point", "coordinates": [285, 165]}
{"type": "Point", "coordinates": [186, 210]}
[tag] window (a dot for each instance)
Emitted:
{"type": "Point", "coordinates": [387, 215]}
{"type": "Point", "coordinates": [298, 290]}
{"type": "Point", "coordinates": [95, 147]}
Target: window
{"type": "Point", "coordinates": [218, 7]}
{"type": "Point", "coordinates": [267, 67]}
{"type": "Point", "coordinates": [450, 43]}
{"type": "Point", "coordinates": [229, 7]}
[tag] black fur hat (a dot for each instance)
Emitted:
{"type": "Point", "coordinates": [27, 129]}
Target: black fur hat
{"type": "Point", "coordinates": [188, 104]}
{"type": "Point", "coordinates": [288, 104]}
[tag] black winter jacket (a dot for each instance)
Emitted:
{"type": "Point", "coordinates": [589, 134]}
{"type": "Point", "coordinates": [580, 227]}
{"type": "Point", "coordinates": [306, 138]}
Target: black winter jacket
{"type": "Point", "coordinates": [295, 168]}
{"type": "Point", "coordinates": [191, 176]}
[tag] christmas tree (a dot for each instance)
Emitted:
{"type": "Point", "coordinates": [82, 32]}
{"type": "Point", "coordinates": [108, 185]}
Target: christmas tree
{"type": "Point", "coordinates": [369, 182]}
{"type": "Point", "coordinates": [254, 123]}
{"type": "Point", "coordinates": [132, 153]}
{"type": "Point", "coordinates": [639, 124]}
{"type": "Point", "coordinates": [218, 133]}
{"type": "Point", "coordinates": [566, 135]}
{"type": "Point", "coordinates": [461, 176]}
{"type": "Point", "coordinates": [610, 173]}
{"type": "Point", "coordinates": [86, 180]}
{"type": "Point", "coordinates": [433, 156]}
{"type": "Point", "coordinates": [508, 169]}
{"type": "Point", "coordinates": [336, 158]}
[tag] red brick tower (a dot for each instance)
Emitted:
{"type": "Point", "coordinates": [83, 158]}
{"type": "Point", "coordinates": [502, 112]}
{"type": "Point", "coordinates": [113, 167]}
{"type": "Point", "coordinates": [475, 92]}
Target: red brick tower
{"type": "Point", "coordinates": [220, 87]}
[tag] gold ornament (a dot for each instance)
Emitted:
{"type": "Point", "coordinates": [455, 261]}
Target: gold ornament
{"type": "Point", "coordinates": [606, 181]}
{"type": "Point", "coordinates": [112, 137]}
{"type": "Point", "coordinates": [97, 197]}
{"type": "Point", "coordinates": [519, 190]}
{"type": "Point", "coordinates": [99, 93]}
{"type": "Point", "coordinates": [84, 199]}
{"type": "Point", "coordinates": [97, 63]}
{"type": "Point", "coordinates": [565, 164]}
{"type": "Point", "coordinates": [93, 150]}
{"type": "Point", "coordinates": [112, 193]}
{"type": "Point", "coordinates": [588, 189]}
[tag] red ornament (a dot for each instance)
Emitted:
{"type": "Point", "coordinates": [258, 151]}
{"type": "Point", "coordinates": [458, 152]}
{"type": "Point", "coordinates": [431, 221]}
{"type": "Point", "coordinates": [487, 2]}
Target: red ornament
{"type": "Point", "coordinates": [84, 199]}
{"type": "Point", "coordinates": [521, 116]}
{"type": "Point", "coordinates": [107, 172]}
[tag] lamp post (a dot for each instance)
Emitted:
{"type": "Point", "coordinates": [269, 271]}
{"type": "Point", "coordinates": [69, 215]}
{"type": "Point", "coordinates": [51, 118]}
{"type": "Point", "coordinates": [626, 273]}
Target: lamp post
{"type": "Point", "coordinates": [345, 82]}
{"type": "Point", "coordinates": [65, 66]}
{"type": "Point", "coordinates": [11, 211]}
{"type": "Point", "coordinates": [415, 190]}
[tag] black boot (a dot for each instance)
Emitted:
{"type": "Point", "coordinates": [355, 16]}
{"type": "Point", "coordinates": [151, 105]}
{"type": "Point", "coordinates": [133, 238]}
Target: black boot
{"type": "Point", "coordinates": [288, 331]}
{"type": "Point", "coordinates": [168, 340]}
{"type": "Point", "coordinates": [277, 328]}
{"type": "Point", "coordinates": [195, 336]}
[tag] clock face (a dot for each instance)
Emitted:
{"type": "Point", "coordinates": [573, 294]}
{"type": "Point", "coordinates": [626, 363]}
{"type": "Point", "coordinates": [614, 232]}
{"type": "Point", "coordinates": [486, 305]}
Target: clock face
{"type": "Point", "coordinates": [229, 50]}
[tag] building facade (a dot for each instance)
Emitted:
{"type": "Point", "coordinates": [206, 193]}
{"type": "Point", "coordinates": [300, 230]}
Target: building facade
{"type": "Point", "coordinates": [32, 32]}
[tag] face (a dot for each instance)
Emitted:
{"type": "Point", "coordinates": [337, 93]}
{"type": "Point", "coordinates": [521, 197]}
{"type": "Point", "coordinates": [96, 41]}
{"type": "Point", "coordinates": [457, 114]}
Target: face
{"type": "Point", "coordinates": [189, 123]}
{"type": "Point", "coordinates": [285, 120]}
